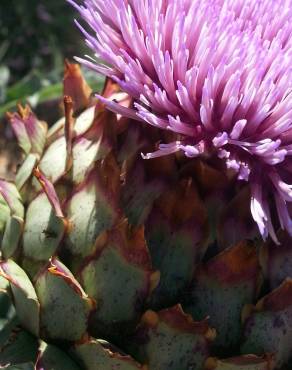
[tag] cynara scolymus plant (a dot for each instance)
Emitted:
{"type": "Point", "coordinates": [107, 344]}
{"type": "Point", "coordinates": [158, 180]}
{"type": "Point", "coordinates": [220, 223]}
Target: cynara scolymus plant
{"type": "Point", "coordinates": [112, 261]}
{"type": "Point", "coordinates": [218, 73]}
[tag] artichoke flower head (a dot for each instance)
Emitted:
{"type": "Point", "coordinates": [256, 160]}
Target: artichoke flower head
{"type": "Point", "coordinates": [217, 73]}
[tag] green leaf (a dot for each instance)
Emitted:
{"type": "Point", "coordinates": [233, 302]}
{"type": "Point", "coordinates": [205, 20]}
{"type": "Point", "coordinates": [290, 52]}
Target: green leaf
{"type": "Point", "coordinates": [4, 78]}
{"type": "Point", "coordinates": [52, 358]}
{"type": "Point", "coordinates": [43, 230]}
{"type": "Point", "coordinates": [25, 87]}
{"type": "Point", "coordinates": [25, 299]}
{"type": "Point", "coordinates": [90, 212]}
{"type": "Point", "coordinates": [11, 237]}
{"type": "Point", "coordinates": [65, 306]}
{"type": "Point", "coordinates": [25, 171]}
{"type": "Point", "coordinates": [171, 340]}
{"type": "Point", "coordinates": [21, 348]}
{"type": "Point", "coordinates": [94, 356]}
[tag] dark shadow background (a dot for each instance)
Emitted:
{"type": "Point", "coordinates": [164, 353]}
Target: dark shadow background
{"type": "Point", "coordinates": [36, 34]}
{"type": "Point", "coordinates": [35, 38]}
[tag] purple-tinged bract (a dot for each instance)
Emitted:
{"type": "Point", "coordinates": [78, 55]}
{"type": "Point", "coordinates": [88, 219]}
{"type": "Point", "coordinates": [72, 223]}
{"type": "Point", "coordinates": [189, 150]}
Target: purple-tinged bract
{"type": "Point", "coordinates": [216, 72]}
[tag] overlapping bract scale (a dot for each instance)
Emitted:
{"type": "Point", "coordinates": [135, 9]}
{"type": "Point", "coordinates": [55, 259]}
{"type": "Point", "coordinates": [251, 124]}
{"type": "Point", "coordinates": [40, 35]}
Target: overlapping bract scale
{"type": "Point", "coordinates": [158, 258]}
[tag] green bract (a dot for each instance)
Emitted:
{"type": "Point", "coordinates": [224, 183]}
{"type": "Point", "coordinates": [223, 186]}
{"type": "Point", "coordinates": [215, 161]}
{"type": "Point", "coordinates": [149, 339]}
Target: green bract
{"type": "Point", "coordinates": [111, 262]}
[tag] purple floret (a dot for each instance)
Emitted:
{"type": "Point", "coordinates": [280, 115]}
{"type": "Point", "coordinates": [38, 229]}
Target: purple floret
{"type": "Point", "coordinates": [217, 72]}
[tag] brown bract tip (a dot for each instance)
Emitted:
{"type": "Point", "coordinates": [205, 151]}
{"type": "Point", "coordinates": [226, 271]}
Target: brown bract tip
{"type": "Point", "coordinates": [131, 242]}
{"type": "Point", "coordinates": [245, 360]}
{"type": "Point", "coordinates": [235, 264]}
{"type": "Point", "coordinates": [109, 174]}
{"type": "Point", "coordinates": [50, 192]}
{"type": "Point", "coordinates": [24, 111]}
{"type": "Point", "coordinates": [69, 129]}
{"type": "Point", "coordinates": [110, 88]}
{"type": "Point", "coordinates": [182, 203]}
{"type": "Point", "coordinates": [207, 177]}
{"type": "Point", "coordinates": [176, 318]}
{"type": "Point", "coordinates": [56, 268]}
{"type": "Point", "coordinates": [76, 86]}
{"type": "Point", "coordinates": [278, 300]}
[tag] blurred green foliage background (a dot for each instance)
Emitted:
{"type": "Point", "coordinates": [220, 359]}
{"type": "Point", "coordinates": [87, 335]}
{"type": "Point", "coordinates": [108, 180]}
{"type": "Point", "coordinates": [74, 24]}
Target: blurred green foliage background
{"type": "Point", "coordinates": [35, 38]}
{"type": "Point", "coordinates": [36, 34]}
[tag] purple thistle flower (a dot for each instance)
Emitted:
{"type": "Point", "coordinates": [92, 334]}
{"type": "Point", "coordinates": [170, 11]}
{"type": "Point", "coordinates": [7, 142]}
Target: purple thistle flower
{"type": "Point", "coordinates": [216, 72]}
